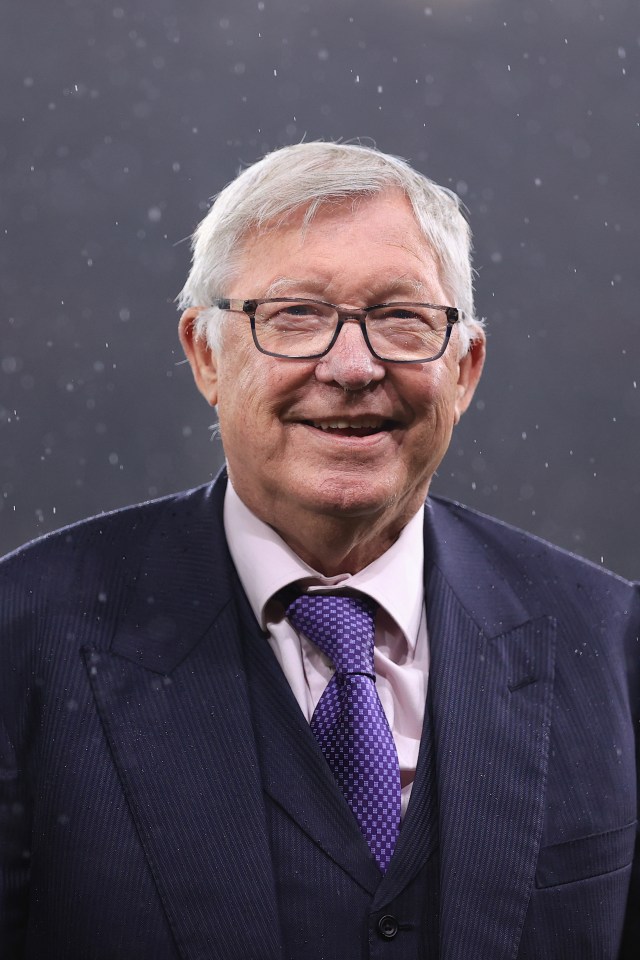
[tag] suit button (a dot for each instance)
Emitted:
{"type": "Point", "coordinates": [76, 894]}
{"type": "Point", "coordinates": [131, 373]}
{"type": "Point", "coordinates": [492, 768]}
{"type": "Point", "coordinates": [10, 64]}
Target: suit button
{"type": "Point", "coordinates": [387, 927]}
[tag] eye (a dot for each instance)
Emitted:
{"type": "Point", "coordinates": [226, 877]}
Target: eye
{"type": "Point", "coordinates": [298, 310]}
{"type": "Point", "coordinates": [408, 317]}
{"type": "Point", "coordinates": [294, 318]}
{"type": "Point", "coordinates": [283, 310]}
{"type": "Point", "coordinates": [396, 311]}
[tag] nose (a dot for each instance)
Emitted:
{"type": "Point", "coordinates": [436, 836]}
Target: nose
{"type": "Point", "coordinates": [350, 363]}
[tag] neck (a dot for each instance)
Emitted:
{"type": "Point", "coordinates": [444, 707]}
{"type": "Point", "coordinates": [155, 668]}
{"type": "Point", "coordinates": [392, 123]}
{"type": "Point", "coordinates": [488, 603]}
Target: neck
{"type": "Point", "coordinates": [327, 536]}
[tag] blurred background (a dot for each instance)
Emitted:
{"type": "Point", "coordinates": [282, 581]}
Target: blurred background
{"type": "Point", "coordinates": [119, 122]}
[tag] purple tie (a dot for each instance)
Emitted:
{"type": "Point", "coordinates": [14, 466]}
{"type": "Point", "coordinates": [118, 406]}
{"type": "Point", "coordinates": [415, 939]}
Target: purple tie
{"type": "Point", "coordinates": [349, 722]}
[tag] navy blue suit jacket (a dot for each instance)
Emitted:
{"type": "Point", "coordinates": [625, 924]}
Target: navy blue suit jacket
{"type": "Point", "coordinates": [133, 792]}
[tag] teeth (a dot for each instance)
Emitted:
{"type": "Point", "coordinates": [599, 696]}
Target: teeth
{"type": "Point", "coordinates": [345, 424]}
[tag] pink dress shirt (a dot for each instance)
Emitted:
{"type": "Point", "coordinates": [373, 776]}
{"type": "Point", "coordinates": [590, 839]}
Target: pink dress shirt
{"type": "Point", "coordinates": [265, 564]}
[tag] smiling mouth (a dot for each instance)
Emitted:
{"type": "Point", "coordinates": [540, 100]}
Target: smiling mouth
{"type": "Point", "coordinates": [346, 428]}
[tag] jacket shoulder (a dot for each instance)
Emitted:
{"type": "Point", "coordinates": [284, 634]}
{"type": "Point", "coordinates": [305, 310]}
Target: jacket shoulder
{"type": "Point", "coordinates": [503, 577]}
{"type": "Point", "coordinates": [504, 543]}
{"type": "Point", "coordinates": [80, 558]}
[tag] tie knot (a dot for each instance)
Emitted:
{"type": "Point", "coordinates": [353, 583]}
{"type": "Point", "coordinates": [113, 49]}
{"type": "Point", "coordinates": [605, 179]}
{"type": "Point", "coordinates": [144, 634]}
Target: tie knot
{"type": "Point", "coordinates": [342, 627]}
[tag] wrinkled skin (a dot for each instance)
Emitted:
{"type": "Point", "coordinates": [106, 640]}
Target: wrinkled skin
{"type": "Point", "coordinates": [338, 497]}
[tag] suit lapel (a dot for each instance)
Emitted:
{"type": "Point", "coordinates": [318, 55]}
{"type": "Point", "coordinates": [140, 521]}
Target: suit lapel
{"type": "Point", "coordinates": [491, 685]}
{"type": "Point", "coordinates": [419, 832]}
{"type": "Point", "coordinates": [172, 695]}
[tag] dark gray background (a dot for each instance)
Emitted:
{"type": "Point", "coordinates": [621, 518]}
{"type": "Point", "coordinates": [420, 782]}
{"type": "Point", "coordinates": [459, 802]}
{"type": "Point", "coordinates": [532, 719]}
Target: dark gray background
{"type": "Point", "coordinates": [118, 123]}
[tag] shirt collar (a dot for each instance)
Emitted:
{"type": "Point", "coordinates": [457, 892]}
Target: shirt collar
{"type": "Point", "coordinates": [265, 565]}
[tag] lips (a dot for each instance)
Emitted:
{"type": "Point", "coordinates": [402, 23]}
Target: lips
{"type": "Point", "coordinates": [353, 427]}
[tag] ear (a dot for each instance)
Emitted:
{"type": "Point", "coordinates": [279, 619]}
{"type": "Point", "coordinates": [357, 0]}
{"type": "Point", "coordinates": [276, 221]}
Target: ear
{"type": "Point", "coordinates": [469, 370]}
{"type": "Point", "coordinates": [200, 356]}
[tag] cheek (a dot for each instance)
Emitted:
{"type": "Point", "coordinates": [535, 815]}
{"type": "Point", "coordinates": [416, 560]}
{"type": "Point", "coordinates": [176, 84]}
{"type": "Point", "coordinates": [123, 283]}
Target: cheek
{"type": "Point", "coordinates": [433, 394]}
{"type": "Point", "coordinates": [240, 379]}
{"type": "Point", "coordinates": [251, 393]}
{"type": "Point", "coordinates": [267, 385]}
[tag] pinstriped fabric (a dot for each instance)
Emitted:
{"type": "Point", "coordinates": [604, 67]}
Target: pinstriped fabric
{"type": "Point", "coordinates": [584, 857]}
{"type": "Point", "coordinates": [152, 785]}
{"type": "Point", "coordinates": [490, 831]}
{"type": "Point", "coordinates": [591, 785]}
{"type": "Point", "coordinates": [565, 926]}
{"type": "Point", "coordinates": [166, 770]}
{"type": "Point", "coordinates": [52, 598]}
{"type": "Point", "coordinates": [521, 737]}
{"type": "Point", "coordinates": [176, 741]}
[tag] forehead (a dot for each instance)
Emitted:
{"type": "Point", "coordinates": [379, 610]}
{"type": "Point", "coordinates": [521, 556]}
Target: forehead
{"type": "Point", "coordinates": [372, 242]}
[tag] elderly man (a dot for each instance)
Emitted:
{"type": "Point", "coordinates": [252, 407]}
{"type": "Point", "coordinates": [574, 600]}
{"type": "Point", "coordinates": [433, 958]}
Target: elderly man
{"type": "Point", "coordinates": [301, 713]}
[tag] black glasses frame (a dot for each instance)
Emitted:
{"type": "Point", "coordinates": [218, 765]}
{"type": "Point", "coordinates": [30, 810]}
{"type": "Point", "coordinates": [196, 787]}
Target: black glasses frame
{"type": "Point", "coordinates": [249, 307]}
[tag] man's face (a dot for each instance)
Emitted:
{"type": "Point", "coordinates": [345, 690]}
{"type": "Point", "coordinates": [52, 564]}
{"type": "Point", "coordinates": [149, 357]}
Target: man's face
{"type": "Point", "coordinates": [290, 456]}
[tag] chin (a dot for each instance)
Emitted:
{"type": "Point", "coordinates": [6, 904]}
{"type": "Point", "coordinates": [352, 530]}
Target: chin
{"type": "Point", "coordinates": [356, 498]}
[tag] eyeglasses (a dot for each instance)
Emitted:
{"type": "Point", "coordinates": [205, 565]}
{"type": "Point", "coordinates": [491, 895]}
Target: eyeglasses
{"type": "Point", "coordinates": [295, 328]}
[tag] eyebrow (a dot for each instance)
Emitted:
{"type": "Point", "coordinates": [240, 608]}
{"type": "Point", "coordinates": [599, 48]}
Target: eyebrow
{"type": "Point", "coordinates": [284, 285]}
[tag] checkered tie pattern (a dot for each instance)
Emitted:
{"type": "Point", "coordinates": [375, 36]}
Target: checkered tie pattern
{"type": "Point", "coordinates": [349, 722]}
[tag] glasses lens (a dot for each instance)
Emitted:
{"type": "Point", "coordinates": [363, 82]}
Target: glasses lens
{"type": "Point", "coordinates": [407, 331]}
{"type": "Point", "coordinates": [294, 328]}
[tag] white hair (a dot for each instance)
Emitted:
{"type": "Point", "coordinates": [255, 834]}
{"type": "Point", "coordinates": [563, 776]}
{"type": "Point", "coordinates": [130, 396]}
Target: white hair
{"type": "Point", "coordinates": [308, 175]}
